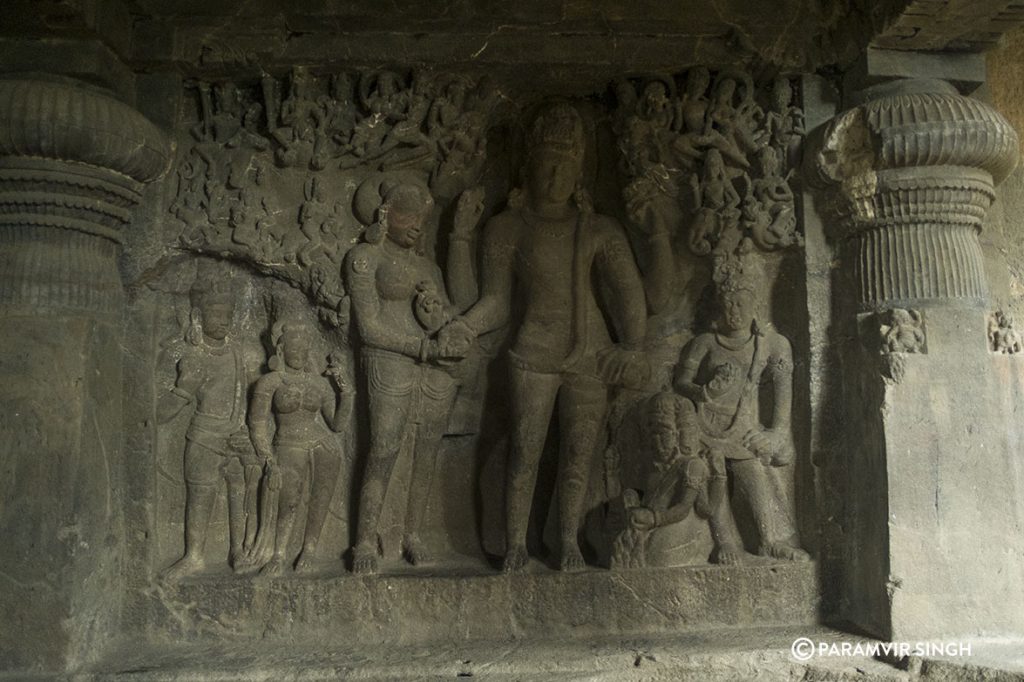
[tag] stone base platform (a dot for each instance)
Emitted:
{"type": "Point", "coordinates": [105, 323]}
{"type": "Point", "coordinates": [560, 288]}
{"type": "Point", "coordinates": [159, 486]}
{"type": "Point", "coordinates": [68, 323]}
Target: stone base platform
{"type": "Point", "coordinates": [712, 656]}
{"type": "Point", "coordinates": [415, 608]}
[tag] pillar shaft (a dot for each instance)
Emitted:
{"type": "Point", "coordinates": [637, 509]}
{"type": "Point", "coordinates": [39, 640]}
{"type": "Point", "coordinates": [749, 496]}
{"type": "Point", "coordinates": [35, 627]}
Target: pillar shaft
{"type": "Point", "coordinates": [73, 163]}
{"type": "Point", "coordinates": [913, 168]}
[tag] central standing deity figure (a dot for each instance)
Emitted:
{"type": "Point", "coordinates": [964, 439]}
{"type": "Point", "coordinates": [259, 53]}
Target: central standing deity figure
{"type": "Point", "coordinates": [554, 254]}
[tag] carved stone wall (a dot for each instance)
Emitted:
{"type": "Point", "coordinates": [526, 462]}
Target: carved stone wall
{"type": "Point", "coordinates": [424, 327]}
{"type": "Point", "coordinates": [391, 220]}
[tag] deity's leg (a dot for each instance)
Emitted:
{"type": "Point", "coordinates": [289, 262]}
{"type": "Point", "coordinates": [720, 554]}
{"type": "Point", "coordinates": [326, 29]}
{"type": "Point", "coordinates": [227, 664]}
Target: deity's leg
{"type": "Point", "coordinates": [390, 419]}
{"type": "Point", "coordinates": [775, 526]}
{"type": "Point", "coordinates": [533, 400]}
{"type": "Point", "coordinates": [293, 463]}
{"type": "Point", "coordinates": [323, 480]}
{"type": "Point", "coordinates": [435, 406]}
{"type": "Point", "coordinates": [202, 481]}
{"type": "Point", "coordinates": [581, 411]}
{"type": "Point", "coordinates": [234, 476]}
{"type": "Point", "coordinates": [728, 543]}
{"type": "Point", "coordinates": [253, 473]}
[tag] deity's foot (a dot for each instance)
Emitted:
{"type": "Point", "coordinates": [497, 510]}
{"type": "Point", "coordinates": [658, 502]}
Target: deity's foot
{"type": "Point", "coordinates": [185, 566]}
{"type": "Point", "coordinates": [305, 561]}
{"type": "Point", "coordinates": [273, 567]}
{"type": "Point", "coordinates": [515, 559]}
{"type": "Point", "coordinates": [364, 559]}
{"type": "Point", "coordinates": [249, 544]}
{"type": "Point", "coordinates": [414, 550]}
{"type": "Point", "coordinates": [784, 550]}
{"type": "Point", "coordinates": [237, 559]}
{"type": "Point", "coordinates": [728, 555]}
{"type": "Point", "coordinates": [572, 559]}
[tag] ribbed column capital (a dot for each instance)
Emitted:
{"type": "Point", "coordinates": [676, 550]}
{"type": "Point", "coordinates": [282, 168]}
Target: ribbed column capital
{"type": "Point", "coordinates": [913, 168]}
{"type": "Point", "coordinates": [73, 163]}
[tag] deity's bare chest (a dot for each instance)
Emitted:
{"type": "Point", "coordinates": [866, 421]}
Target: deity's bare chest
{"type": "Point", "coordinates": [398, 275]}
{"type": "Point", "coordinates": [296, 394]}
{"type": "Point", "coordinates": [545, 257]}
{"type": "Point", "coordinates": [217, 376]}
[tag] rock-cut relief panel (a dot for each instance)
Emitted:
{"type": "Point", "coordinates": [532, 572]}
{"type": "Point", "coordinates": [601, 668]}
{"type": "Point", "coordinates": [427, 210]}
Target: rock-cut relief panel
{"type": "Point", "coordinates": [671, 412]}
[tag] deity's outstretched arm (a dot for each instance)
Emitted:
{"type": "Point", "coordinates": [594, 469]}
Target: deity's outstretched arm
{"type": "Point", "coordinates": [684, 381]}
{"type": "Point", "coordinates": [181, 395]}
{"type": "Point", "coordinates": [617, 265]}
{"type": "Point", "coordinates": [337, 408]}
{"type": "Point", "coordinates": [462, 282]}
{"type": "Point", "coordinates": [677, 512]}
{"type": "Point", "coordinates": [780, 369]}
{"type": "Point", "coordinates": [494, 307]}
{"type": "Point", "coordinates": [259, 415]}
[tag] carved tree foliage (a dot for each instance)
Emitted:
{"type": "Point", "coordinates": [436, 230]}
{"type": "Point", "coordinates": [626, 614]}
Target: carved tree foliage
{"type": "Point", "coordinates": [271, 168]}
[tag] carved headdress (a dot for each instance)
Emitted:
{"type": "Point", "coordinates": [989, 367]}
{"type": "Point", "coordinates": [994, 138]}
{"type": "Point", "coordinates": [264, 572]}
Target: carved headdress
{"type": "Point", "coordinates": [278, 332]}
{"type": "Point", "coordinates": [209, 288]}
{"type": "Point", "coordinates": [733, 274]}
{"type": "Point", "coordinates": [739, 276]}
{"type": "Point", "coordinates": [558, 127]}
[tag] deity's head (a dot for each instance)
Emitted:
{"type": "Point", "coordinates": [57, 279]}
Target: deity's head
{"type": "Point", "coordinates": [697, 81]}
{"type": "Point", "coordinates": [725, 89]}
{"type": "Point", "coordinates": [555, 155]}
{"type": "Point", "coordinates": [736, 291]}
{"type": "Point", "coordinates": [714, 165]}
{"type": "Point", "coordinates": [769, 162]}
{"type": "Point", "coordinates": [457, 91]}
{"type": "Point", "coordinates": [341, 87]}
{"type": "Point", "coordinates": [387, 83]}
{"type": "Point", "coordinates": [213, 308]}
{"type": "Point", "coordinates": [227, 96]}
{"type": "Point", "coordinates": [404, 209]}
{"type": "Point", "coordinates": [662, 427]}
{"type": "Point", "coordinates": [292, 344]}
{"type": "Point", "coordinates": [782, 93]}
{"type": "Point", "coordinates": [656, 94]}
{"type": "Point", "coordinates": [300, 82]}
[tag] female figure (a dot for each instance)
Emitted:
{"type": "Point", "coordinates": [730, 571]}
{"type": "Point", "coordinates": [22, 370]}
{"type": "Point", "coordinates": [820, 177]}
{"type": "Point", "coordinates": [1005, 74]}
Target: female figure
{"type": "Point", "coordinates": [303, 406]}
{"type": "Point", "coordinates": [715, 225]}
{"type": "Point", "coordinates": [398, 304]}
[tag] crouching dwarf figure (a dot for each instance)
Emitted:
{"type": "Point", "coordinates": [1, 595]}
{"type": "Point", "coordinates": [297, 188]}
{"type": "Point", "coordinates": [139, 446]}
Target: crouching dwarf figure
{"type": "Point", "coordinates": [723, 373]}
{"type": "Point", "coordinates": [674, 478]}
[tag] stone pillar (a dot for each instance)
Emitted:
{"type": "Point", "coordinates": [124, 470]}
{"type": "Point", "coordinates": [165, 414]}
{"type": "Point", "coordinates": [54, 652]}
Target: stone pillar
{"type": "Point", "coordinates": [73, 164]}
{"type": "Point", "coordinates": [934, 497]}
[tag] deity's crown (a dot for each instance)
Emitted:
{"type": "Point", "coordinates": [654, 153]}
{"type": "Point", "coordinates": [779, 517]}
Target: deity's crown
{"type": "Point", "coordinates": [208, 289]}
{"type": "Point", "coordinates": [734, 274]}
{"type": "Point", "coordinates": [558, 127]}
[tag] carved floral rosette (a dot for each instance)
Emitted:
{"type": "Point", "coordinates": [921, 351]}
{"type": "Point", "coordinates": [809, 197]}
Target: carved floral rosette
{"type": "Point", "coordinates": [916, 165]}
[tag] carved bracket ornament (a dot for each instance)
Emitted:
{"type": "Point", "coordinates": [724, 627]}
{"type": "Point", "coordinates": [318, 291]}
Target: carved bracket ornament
{"type": "Point", "coordinates": [1003, 337]}
{"type": "Point", "coordinates": [893, 334]}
